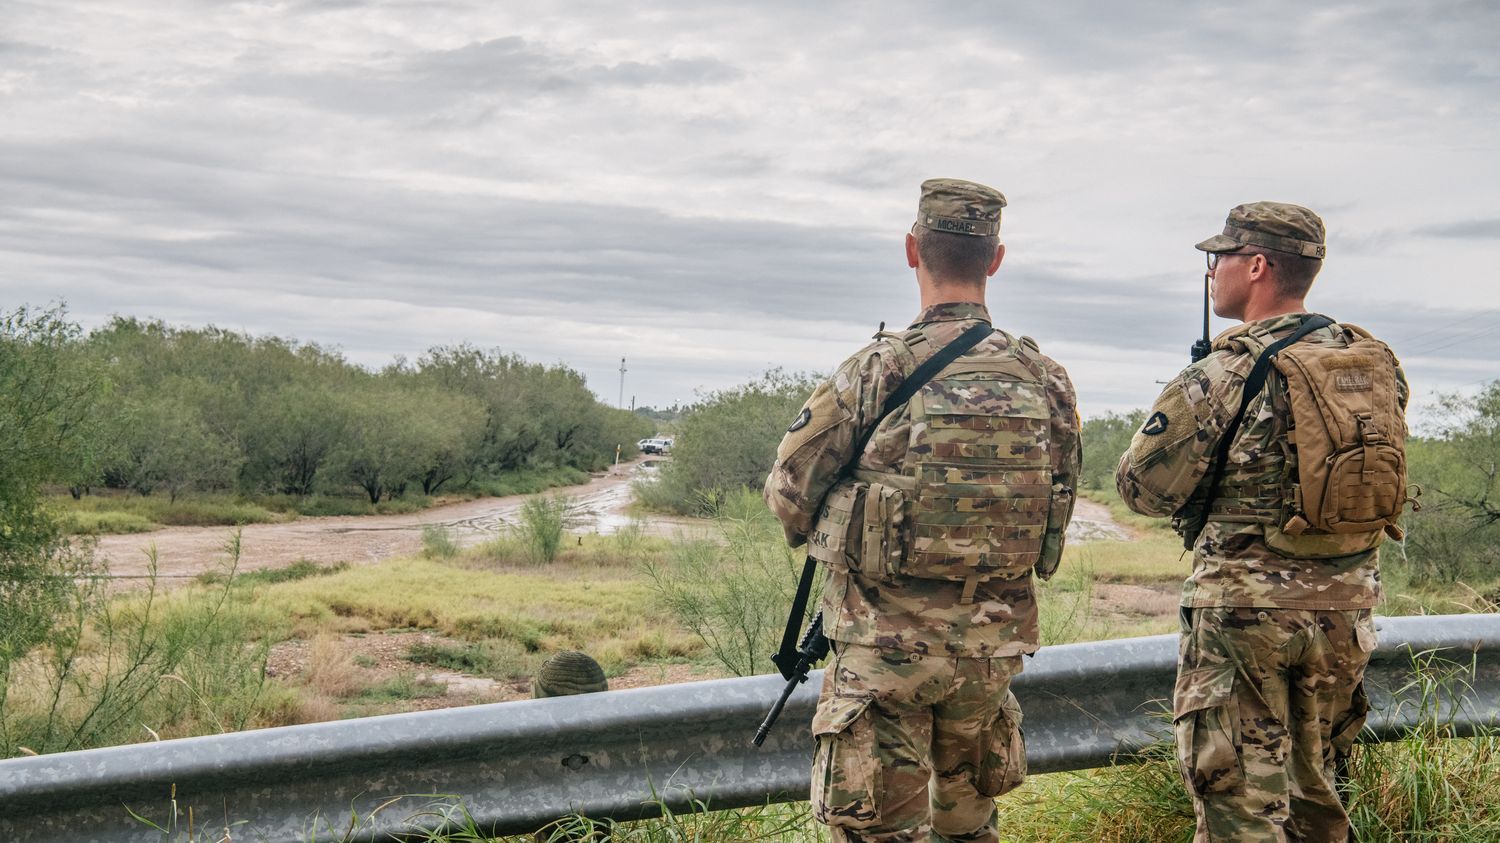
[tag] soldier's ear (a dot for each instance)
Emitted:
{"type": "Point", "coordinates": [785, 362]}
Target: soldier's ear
{"type": "Point", "coordinates": [911, 250]}
{"type": "Point", "coordinates": [995, 262]}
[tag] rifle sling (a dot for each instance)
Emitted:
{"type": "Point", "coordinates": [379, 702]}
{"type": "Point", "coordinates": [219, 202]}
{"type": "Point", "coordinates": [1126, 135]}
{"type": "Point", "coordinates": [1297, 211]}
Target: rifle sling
{"type": "Point", "coordinates": [1254, 383]}
{"type": "Point", "coordinates": [786, 658]}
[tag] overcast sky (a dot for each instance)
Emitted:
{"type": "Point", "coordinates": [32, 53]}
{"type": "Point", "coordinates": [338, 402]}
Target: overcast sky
{"type": "Point", "coordinates": [711, 191]}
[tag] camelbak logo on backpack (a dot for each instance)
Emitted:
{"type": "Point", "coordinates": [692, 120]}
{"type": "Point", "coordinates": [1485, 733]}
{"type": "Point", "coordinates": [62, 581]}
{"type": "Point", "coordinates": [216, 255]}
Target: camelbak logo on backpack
{"type": "Point", "coordinates": [1353, 381]}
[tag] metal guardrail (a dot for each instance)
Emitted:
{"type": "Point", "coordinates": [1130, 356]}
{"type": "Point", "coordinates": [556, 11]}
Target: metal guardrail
{"type": "Point", "coordinates": [517, 765]}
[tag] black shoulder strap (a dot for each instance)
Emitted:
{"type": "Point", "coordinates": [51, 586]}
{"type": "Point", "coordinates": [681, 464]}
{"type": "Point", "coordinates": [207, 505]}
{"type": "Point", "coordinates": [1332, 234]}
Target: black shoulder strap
{"type": "Point", "coordinates": [1254, 383]}
{"type": "Point", "coordinates": [786, 658]}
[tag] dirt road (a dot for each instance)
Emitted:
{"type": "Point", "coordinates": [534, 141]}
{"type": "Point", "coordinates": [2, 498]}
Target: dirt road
{"type": "Point", "coordinates": [1092, 522]}
{"type": "Point", "coordinates": [189, 551]}
{"type": "Point", "coordinates": [185, 552]}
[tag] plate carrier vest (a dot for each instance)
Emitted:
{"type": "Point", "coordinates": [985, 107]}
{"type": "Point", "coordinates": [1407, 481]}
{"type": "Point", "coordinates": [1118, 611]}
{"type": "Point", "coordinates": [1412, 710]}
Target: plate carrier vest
{"type": "Point", "coordinates": [974, 497]}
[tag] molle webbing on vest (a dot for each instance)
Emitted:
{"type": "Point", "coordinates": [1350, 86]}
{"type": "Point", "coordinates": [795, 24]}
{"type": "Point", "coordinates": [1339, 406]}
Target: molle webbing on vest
{"type": "Point", "coordinates": [862, 521]}
{"type": "Point", "coordinates": [977, 479]}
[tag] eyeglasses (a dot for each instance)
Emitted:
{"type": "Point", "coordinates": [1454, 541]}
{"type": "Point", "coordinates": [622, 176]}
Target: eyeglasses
{"type": "Point", "coordinates": [1213, 258]}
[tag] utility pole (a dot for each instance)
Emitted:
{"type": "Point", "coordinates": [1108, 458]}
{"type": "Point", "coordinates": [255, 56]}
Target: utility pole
{"type": "Point", "coordinates": [621, 405]}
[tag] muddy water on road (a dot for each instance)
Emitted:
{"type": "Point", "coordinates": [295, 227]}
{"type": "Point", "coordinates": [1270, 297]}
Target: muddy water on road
{"type": "Point", "coordinates": [182, 552]}
{"type": "Point", "coordinates": [1092, 522]}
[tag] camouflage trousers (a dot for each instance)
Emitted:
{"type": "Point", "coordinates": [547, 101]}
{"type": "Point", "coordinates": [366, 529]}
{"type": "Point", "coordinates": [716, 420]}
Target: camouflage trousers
{"type": "Point", "coordinates": [912, 747]}
{"type": "Point", "coordinates": [1266, 701]}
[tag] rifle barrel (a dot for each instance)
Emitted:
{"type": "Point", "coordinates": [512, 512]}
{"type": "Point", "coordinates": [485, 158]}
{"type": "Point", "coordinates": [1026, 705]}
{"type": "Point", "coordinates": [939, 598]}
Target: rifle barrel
{"type": "Point", "coordinates": [770, 721]}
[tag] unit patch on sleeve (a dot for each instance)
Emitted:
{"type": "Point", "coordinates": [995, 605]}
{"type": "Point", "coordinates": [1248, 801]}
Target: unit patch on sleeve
{"type": "Point", "coordinates": [1156, 425]}
{"type": "Point", "coordinates": [804, 417]}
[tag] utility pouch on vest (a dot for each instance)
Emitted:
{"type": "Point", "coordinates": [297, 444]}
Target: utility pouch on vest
{"type": "Point", "coordinates": [1059, 513]}
{"type": "Point", "coordinates": [838, 536]}
{"type": "Point", "coordinates": [884, 527]}
{"type": "Point", "coordinates": [1350, 441]}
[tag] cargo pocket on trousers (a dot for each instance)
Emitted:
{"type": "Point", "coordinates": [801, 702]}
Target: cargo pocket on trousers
{"type": "Point", "coordinates": [1346, 727]}
{"type": "Point", "coordinates": [1004, 765]}
{"type": "Point", "coordinates": [846, 774]}
{"type": "Point", "coordinates": [1206, 722]}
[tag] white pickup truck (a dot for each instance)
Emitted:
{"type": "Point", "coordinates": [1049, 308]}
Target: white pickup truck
{"type": "Point", "coordinates": [655, 446]}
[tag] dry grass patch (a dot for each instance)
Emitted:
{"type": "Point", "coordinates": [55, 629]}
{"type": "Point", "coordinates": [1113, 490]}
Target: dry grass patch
{"type": "Point", "coordinates": [1153, 559]}
{"type": "Point", "coordinates": [541, 610]}
{"type": "Point", "coordinates": [331, 669]}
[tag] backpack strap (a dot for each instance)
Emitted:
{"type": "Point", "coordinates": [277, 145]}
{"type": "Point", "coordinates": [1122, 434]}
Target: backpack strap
{"type": "Point", "coordinates": [1254, 383]}
{"type": "Point", "coordinates": [785, 658]}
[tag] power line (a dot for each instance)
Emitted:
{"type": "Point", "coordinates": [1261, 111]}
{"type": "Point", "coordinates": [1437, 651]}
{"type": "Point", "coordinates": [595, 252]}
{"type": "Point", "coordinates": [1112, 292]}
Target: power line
{"type": "Point", "coordinates": [1442, 330]}
{"type": "Point", "coordinates": [1452, 341]}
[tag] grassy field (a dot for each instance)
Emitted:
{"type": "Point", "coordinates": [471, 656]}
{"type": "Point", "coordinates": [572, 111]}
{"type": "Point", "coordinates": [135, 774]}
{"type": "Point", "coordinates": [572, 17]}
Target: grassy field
{"type": "Point", "coordinates": [353, 640]}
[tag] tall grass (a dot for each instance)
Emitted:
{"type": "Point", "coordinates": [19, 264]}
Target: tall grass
{"type": "Point", "coordinates": [419, 818]}
{"type": "Point", "coordinates": [437, 543]}
{"type": "Point", "coordinates": [1429, 785]}
{"type": "Point", "coordinates": [1066, 603]}
{"type": "Point", "coordinates": [543, 519]}
{"type": "Point", "coordinates": [733, 592]}
{"type": "Point", "coordinates": [121, 513]}
{"type": "Point", "coordinates": [100, 514]}
{"type": "Point", "coordinates": [145, 667]}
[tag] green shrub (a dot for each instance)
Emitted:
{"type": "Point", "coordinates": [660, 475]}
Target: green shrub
{"type": "Point", "coordinates": [141, 666]}
{"type": "Point", "coordinates": [437, 543]}
{"type": "Point", "coordinates": [630, 539]}
{"type": "Point", "coordinates": [726, 443]}
{"type": "Point", "coordinates": [529, 481]}
{"type": "Point", "coordinates": [1105, 438]}
{"type": "Point", "coordinates": [542, 523]}
{"type": "Point", "coordinates": [733, 593]}
{"type": "Point", "coordinates": [1455, 537]}
{"type": "Point", "coordinates": [476, 658]}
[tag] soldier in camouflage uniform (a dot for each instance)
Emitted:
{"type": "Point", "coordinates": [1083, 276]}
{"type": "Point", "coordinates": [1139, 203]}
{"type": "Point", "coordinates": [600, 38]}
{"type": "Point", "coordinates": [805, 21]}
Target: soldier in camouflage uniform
{"type": "Point", "coordinates": [1276, 628]}
{"type": "Point", "coordinates": [931, 534]}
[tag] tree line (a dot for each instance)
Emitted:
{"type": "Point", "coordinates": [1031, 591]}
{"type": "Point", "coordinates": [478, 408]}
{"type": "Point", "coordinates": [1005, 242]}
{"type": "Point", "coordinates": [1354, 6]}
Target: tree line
{"type": "Point", "coordinates": [159, 409]}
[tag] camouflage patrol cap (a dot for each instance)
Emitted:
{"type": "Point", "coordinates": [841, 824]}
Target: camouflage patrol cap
{"type": "Point", "coordinates": [566, 673]}
{"type": "Point", "coordinates": [1270, 225]}
{"type": "Point", "coordinates": [960, 207]}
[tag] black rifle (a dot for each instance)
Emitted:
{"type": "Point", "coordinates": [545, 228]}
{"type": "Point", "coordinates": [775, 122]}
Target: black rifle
{"type": "Point", "coordinates": [811, 650]}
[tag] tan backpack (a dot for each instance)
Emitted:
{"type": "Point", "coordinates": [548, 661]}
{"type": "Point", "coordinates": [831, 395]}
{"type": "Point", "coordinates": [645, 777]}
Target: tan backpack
{"type": "Point", "coordinates": [1350, 437]}
{"type": "Point", "coordinates": [1348, 442]}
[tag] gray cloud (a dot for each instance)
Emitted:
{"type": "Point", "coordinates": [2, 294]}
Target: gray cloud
{"type": "Point", "coordinates": [498, 70]}
{"type": "Point", "coordinates": [1467, 230]}
{"type": "Point", "coordinates": [716, 190]}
